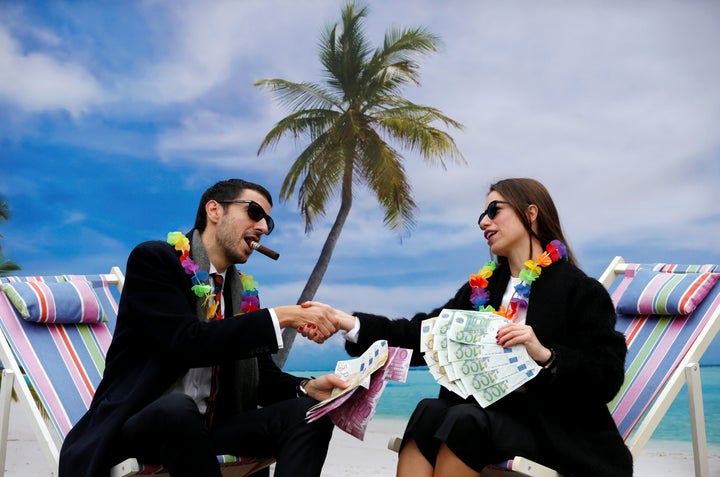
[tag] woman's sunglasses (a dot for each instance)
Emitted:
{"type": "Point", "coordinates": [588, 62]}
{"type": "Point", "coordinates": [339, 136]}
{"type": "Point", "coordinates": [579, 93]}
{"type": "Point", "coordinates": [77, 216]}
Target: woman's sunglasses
{"type": "Point", "coordinates": [492, 210]}
{"type": "Point", "coordinates": [254, 211]}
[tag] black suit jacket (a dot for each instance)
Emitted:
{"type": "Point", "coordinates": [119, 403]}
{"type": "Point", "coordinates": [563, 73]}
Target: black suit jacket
{"type": "Point", "coordinates": [573, 314]}
{"type": "Point", "coordinates": [158, 338]}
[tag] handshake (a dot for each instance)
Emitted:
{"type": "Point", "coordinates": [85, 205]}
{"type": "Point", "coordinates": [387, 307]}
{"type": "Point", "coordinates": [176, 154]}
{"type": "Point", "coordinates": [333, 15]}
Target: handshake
{"type": "Point", "coordinates": [314, 320]}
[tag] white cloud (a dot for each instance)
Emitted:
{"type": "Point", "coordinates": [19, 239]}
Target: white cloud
{"type": "Point", "coordinates": [36, 82]}
{"type": "Point", "coordinates": [614, 109]}
{"type": "Point", "coordinates": [615, 106]}
{"type": "Point", "coordinates": [74, 217]}
{"type": "Point", "coordinates": [212, 139]}
{"type": "Point", "coordinates": [218, 45]}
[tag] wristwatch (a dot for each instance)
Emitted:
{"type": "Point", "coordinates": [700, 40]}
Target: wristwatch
{"type": "Point", "coordinates": [551, 360]}
{"type": "Point", "coordinates": [300, 388]}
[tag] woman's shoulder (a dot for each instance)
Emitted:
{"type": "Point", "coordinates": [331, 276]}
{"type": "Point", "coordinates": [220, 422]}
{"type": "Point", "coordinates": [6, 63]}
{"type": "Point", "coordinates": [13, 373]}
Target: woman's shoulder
{"type": "Point", "coordinates": [565, 269]}
{"type": "Point", "coordinates": [569, 277]}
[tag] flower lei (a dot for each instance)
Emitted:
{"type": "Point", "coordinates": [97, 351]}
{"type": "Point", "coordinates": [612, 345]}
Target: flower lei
{"type": "Point", "coordinates": [554, 251]}
{"type": "Point", "coordinates": [250, 300]}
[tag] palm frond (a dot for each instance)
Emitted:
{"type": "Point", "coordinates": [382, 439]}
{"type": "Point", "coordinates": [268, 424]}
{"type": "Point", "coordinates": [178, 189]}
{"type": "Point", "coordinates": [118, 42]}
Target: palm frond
{"type": "Point", "coordinates": [381, 167]}
{"type": "Point", "coordinates": [318, 186]}
{"type": "Point", "coordinates": [310, 123]}
{"type": "Point", "coordinates": [7, 266]}
{"type": "Point", "coordinates": [4, 211]}
{"type": "Point", "coordinates": [300, 96]}
{"type": "Point", "coordinates": [397, 63]}
{"type": "Point", "coordinates": [344, 55]}
{"type": "Point", "coordinates": [319, 171]}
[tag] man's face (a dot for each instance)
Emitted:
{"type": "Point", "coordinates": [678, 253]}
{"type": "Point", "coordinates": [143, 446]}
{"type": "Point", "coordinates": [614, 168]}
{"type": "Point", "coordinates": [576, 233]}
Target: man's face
{"type": "Point", "coordinates": [236, 229]}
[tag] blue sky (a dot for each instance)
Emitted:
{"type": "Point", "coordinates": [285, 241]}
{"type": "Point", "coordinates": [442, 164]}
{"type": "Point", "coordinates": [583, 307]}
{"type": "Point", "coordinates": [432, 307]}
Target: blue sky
{"type": "Point", "coordinates": [116, 116]}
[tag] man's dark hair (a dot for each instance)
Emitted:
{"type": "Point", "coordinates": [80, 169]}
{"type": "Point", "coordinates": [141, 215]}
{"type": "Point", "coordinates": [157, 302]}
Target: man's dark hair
{"type": "Point", "coordinates": [225, 190]}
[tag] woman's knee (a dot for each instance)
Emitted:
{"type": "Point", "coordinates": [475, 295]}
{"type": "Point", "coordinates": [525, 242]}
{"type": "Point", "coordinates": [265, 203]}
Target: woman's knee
{"type": "Point", "coordinates": [464, 420]}
{"type": "Point", "coordinates": [431, 407]}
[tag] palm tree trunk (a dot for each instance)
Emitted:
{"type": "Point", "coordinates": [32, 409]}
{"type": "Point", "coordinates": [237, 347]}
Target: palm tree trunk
{"type": "Point", "coordinates": [321, 266]}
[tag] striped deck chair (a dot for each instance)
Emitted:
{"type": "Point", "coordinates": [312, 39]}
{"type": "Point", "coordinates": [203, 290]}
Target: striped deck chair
{"type": "Point", "coordinates": [55, 334]}
{"type": "Point", "coordinates": [669, 314]}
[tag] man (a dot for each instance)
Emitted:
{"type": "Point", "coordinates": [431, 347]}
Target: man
{"type": "Point", "coordinates": [181, 383]}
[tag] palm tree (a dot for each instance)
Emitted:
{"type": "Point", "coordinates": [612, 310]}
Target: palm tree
{"type": "Point", "coordinates": [6, 266]}
{"type": "Point", "coordinates": [347, 121]}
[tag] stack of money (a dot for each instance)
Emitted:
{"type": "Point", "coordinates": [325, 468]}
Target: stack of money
{"type": "Point", "coordinates": [462, 354]}
{"type": "Point", "coordinates": [352, 408]}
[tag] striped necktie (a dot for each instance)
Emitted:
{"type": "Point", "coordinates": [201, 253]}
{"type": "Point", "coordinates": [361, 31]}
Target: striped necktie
{"type": "Point", "coordinates": [215, 307]}
{"type": "Point", "coordinates": [217, 281]}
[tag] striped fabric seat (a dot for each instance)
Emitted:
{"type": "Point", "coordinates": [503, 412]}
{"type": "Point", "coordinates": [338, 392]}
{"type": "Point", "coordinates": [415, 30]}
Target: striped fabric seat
{"type": "Point", "coordinates": [63, 364]}
{"type": "Point", "coordinates": [659, 346]}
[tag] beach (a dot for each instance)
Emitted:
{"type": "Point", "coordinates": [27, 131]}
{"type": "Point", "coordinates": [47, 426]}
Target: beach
{"type": "Point", "coordinates": [350, 457]}
{"type": "Point", "coordinates": [669, 455]}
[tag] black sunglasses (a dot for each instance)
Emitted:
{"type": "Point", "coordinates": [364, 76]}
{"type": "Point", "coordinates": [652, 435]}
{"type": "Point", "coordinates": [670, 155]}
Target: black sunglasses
{"type": "Point", "coordinates": [255, 212]}
{"type": "Point", "coordinates": [492, 210]}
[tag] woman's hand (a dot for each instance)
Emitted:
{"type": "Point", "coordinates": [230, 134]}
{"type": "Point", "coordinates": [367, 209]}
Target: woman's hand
{"type": "Point", "coordinates": [516, 333]}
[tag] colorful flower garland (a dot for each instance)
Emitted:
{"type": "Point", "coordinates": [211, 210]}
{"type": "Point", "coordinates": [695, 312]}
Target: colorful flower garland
{"type": "Point", "coordinates": [250, 301]}
{"type": "Point", "coordinates": [554, 251]}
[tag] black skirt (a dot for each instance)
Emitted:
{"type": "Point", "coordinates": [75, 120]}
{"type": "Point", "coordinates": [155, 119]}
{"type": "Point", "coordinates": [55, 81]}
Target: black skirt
{"type": "Point", "coordinates": [477, 436]}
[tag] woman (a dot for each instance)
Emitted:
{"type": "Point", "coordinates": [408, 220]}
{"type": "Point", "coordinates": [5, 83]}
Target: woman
{"type": "Point", "coordinates": [566, 321]}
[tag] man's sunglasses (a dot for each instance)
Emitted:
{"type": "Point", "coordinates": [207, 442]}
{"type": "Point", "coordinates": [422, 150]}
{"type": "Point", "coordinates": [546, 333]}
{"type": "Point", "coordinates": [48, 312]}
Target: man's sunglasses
{"type": "Point", "coordinates": [254, 211]}
{"type": "Point", "coordinates": [492, 210]}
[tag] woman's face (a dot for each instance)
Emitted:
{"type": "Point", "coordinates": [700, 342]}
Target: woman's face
{"type": "Point", "coordinates": [505, 231]}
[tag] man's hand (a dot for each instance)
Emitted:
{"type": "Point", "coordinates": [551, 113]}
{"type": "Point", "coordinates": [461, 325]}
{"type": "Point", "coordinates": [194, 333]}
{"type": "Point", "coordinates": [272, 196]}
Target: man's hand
{"type": "Point", "coordinates": [320, 388]}
{"type": "Point", "coordinates": [314, 320]}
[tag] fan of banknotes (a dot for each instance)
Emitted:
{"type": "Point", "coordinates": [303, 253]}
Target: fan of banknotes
{"type": "Point", "coordinates": [460, 349]}
{"type": "Point", "coordinates": [352, 408]}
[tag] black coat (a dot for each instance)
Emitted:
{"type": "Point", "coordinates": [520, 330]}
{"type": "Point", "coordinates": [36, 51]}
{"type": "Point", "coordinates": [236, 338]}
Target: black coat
{"type": "Point", "coordinates": [573, 314]}
{"type": "Point", "coordinates": [158, 338]}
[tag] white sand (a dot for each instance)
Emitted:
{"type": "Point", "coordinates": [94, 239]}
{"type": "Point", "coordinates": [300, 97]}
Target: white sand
{"type": "Point", "coordinates": [349, 457]}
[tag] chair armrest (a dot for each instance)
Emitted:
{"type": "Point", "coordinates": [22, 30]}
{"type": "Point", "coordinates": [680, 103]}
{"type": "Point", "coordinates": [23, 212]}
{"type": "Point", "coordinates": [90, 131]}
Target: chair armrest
{"type": "Point", "coordinates": [527, 467]}
{"type": "Point", "coordinates": [394, 444]}
{"type": "Point", "coordinates": [125, 468]}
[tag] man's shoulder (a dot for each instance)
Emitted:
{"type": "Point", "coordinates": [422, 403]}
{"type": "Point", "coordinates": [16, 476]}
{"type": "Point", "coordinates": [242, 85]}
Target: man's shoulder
{"type": "Point", "coordinates": [158, 248]}
{"type": "Point", "coordinates": [159, 245]}
{"type": "Point", "coordinates": [154, 255]}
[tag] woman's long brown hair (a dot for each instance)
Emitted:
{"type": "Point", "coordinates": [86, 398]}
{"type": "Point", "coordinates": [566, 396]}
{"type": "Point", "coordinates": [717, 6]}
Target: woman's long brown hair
{"type": "Point", "coordinates": [523, 192]}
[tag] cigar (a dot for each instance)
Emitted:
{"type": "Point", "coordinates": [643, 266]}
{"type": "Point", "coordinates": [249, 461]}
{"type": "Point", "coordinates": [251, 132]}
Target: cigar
{"type": "Point", "coordinates": [264, 250]}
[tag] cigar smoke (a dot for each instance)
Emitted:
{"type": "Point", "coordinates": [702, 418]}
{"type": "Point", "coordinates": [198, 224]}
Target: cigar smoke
{"type": "Point", "coordinates": [264, 250]}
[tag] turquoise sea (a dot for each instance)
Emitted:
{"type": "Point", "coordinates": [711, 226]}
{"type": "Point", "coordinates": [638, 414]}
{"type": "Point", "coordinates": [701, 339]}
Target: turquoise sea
{"type": "Point", "coordinates": [398, 401]}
